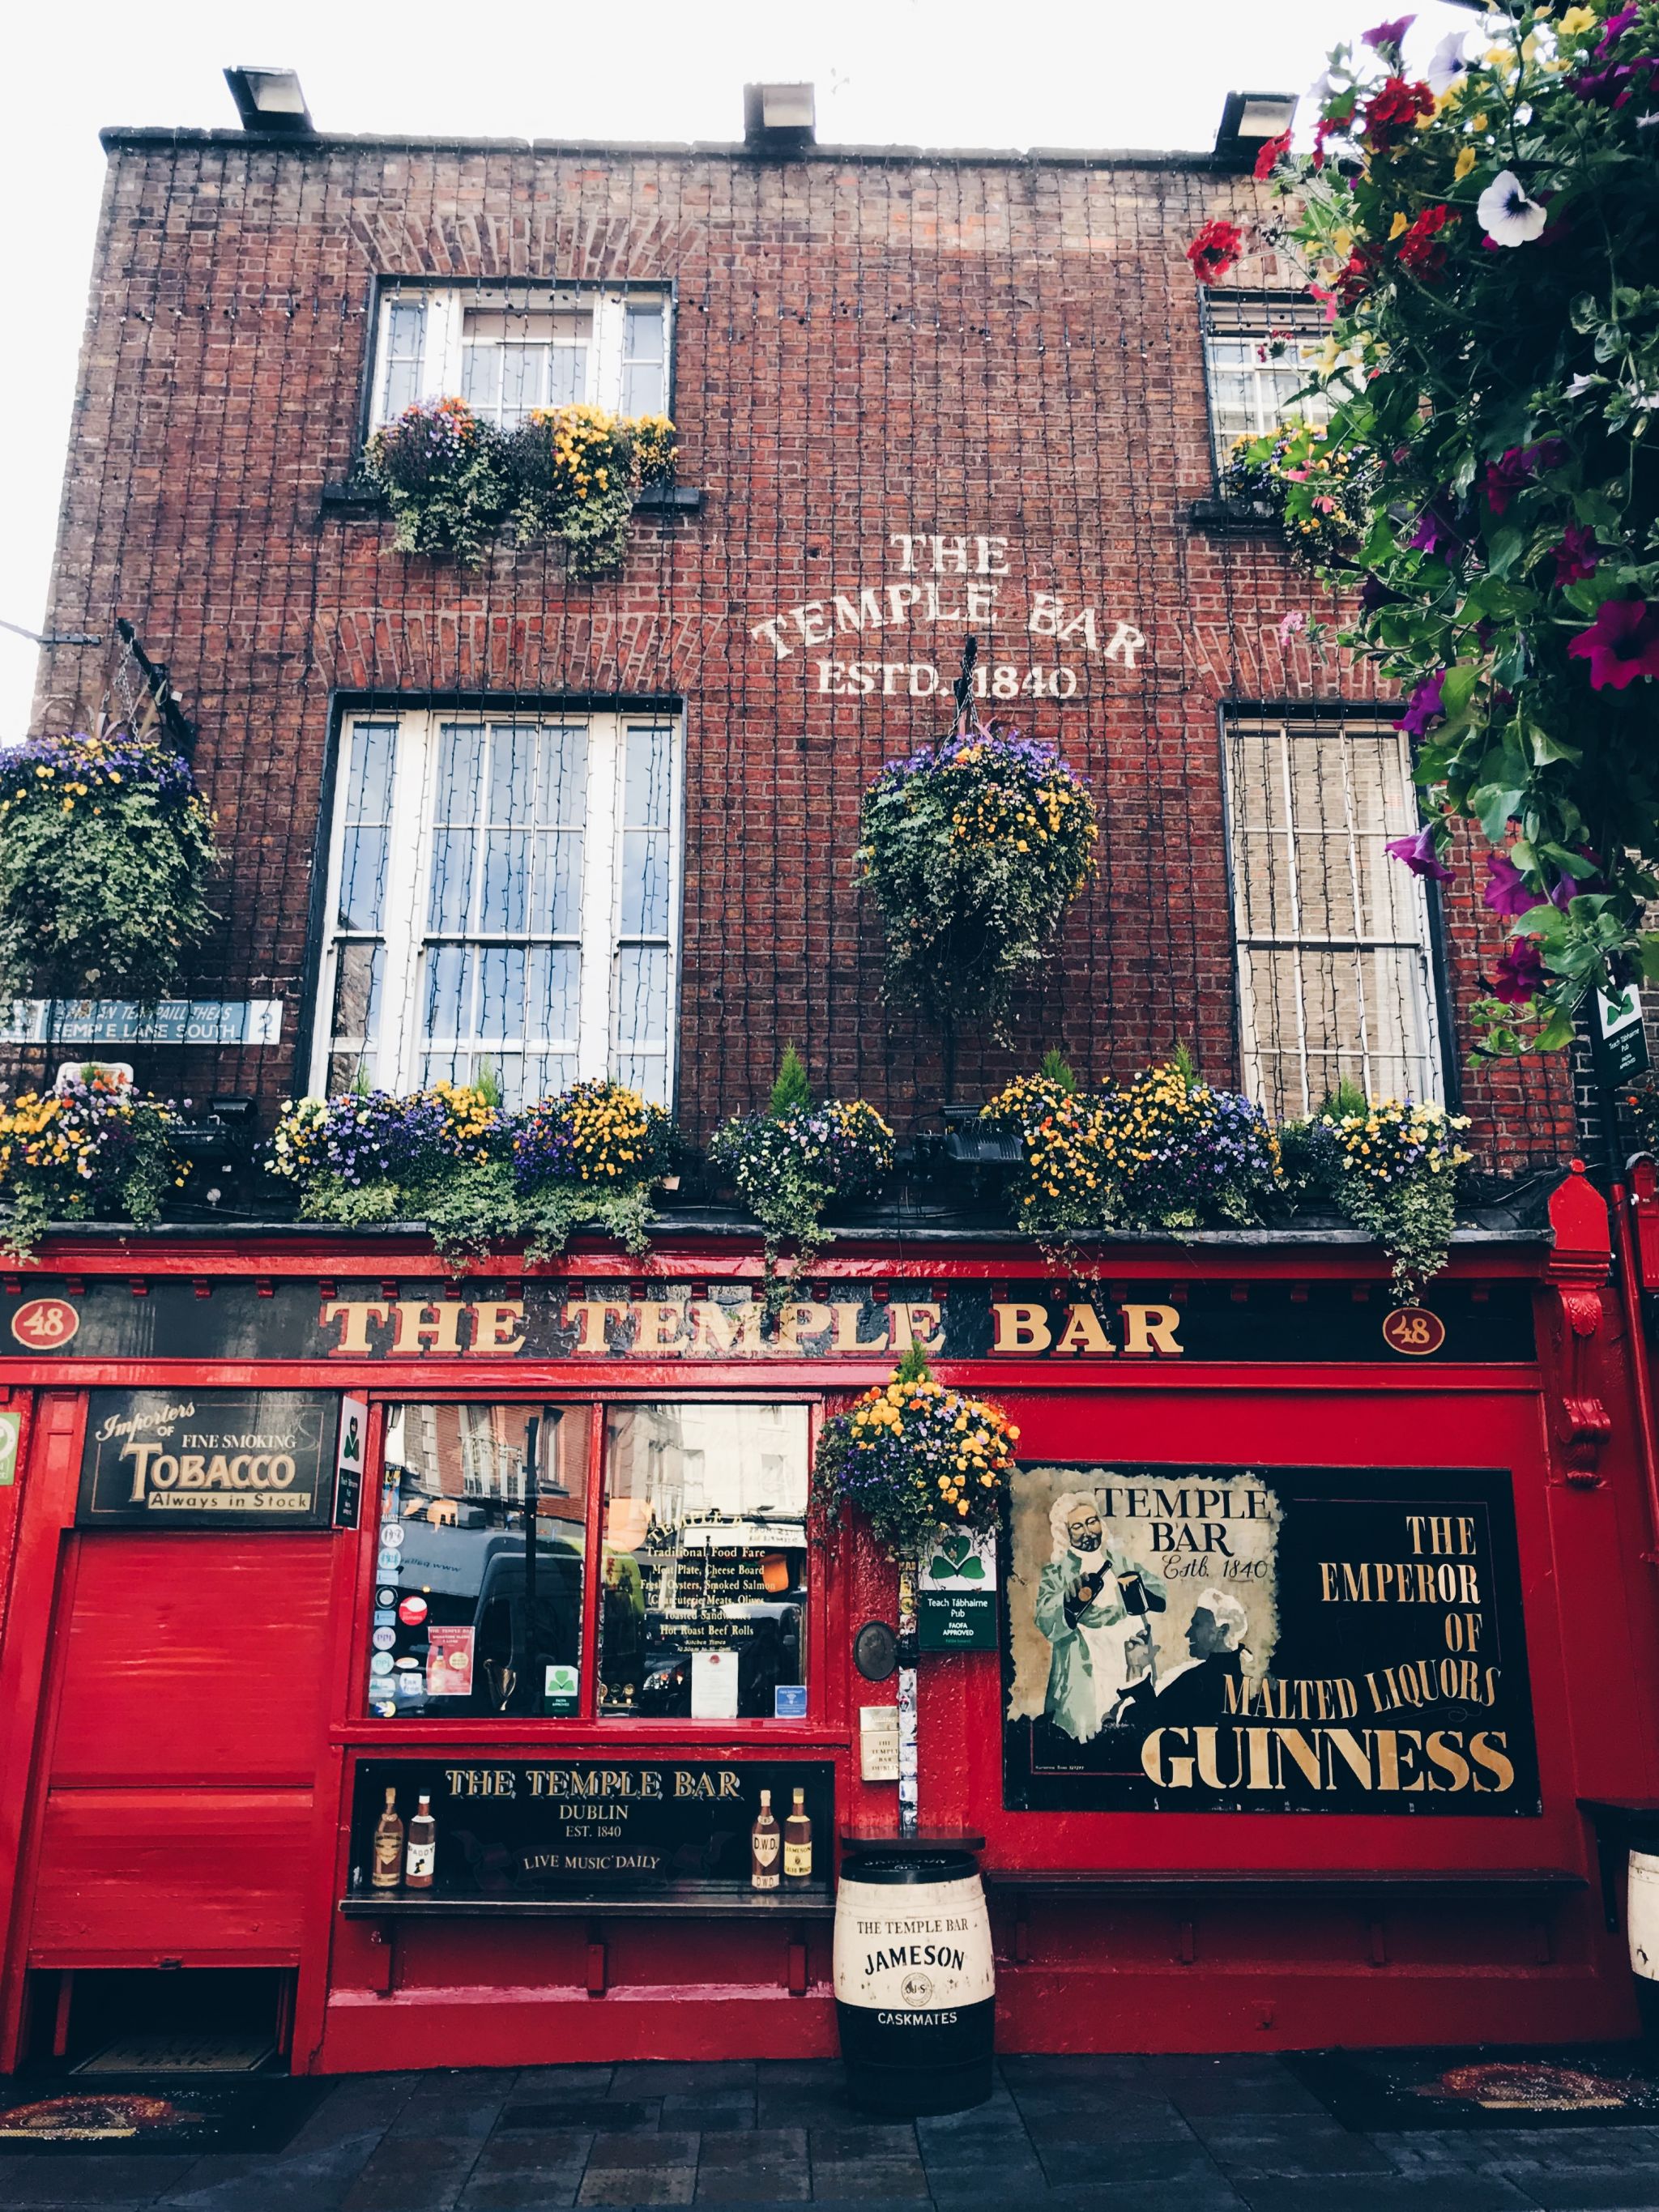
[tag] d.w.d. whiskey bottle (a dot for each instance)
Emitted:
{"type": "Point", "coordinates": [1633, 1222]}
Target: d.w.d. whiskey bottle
{"type": "Point", "coordinates": [765, 1838]}
{"type": "Point", "coordinates": [422, 1853]}
{"type": "Point", "coordinates": [388, 1846]}
{"type": "Point", "coordinates": [798, 1845]}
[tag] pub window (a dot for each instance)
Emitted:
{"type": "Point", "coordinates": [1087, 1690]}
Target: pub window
{"type": "Point", "coordinates": [1261, 349]}
{"type": "Point", "coordinates": [503, 891]}
{"type": "Point", "coordinates": [507, 350]}
{"type": "Point", "coordinates": [1332, 938]}
{"type": "Point", "coordinates": [703, 1599]}
{"type": "Point", "coordinates": [479, 1573]}
{"type": "Point", "coordinates": [699, 1585]}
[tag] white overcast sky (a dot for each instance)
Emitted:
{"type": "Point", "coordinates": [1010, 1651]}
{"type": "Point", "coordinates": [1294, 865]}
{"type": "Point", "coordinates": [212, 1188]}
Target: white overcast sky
{"type": "Point", "coordinates": [1097, 73]}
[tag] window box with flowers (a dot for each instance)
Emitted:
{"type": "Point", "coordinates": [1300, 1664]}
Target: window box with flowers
{"type": "Point", "coordinates": [95, 1149]}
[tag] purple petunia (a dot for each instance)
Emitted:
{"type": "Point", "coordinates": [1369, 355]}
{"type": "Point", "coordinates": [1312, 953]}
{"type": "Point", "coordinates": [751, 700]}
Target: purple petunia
{"type": "Point", "coordinates": [1507, 891]}
{"type": "Point", "coordinates": [1420, 854]}
{"type": "Point", "coordinates": [1424, 706]}
{"type": "Point", "coordinates": [1520, 974]}
{"type": "Point", "coordinates": [1577, 555]}
{"type": "Point", "coordinates": [1433, 533]}
{"type": "Point", "coordinates": [1517, 468]}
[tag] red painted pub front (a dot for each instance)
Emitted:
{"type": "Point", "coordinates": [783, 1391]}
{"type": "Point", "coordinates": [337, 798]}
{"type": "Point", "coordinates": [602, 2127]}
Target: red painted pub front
{"type": "Point", "coordinates": [250, 1483]}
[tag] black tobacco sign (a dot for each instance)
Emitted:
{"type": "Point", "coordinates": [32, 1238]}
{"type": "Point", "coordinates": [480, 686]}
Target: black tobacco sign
{"type": "Point", "coordinates": [1066, 1327]}
{"type": "Point", "coordinates": [1268, 1640]}
{"type": "Point", "coordinates": [208, 1458]}
{"type": "Point", "coordinates": [570, 1825]}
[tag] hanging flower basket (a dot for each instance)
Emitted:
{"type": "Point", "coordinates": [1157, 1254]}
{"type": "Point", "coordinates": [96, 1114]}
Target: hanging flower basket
{"type": "Point", "coordinates": [915, 1458]}
{"type": "Point", "coordinates": [96, 1150]}
{"type": "Point", "coordinates": [105, 847]}
{"type": "Point", "coordinates": [973, 849]}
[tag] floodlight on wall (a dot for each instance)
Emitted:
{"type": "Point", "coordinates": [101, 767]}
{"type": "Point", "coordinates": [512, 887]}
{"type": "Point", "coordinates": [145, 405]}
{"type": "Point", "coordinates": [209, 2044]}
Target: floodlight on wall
{"type": "Point", "coordinates": [1248, 121]}
{"type": "Point", "coordinates": [778, 117]}
{"type": "Point", "coordinates": [270, 99]}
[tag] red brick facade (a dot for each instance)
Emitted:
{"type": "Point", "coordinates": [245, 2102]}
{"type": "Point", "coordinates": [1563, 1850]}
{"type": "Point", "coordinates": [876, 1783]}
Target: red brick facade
{"type": "Point", "coordinates": [867, 347]}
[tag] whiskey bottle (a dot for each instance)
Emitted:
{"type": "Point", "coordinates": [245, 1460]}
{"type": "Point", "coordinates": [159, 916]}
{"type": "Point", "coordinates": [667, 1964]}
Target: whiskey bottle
{"type": "Point", "coordinates": [422, 1852]}
{"type": "Point", "coordinates": [765, 1838]}
{"type": "Point", "coordinates": [388, 1846]}
{"type": "Point", "coordinates": [798, 1845]}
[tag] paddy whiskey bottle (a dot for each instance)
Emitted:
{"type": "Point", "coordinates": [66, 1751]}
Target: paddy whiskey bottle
{"type": "Point", "coordinates": [422, 1852]}
{"type": "Point", "coordinates": [798, 1845]}
{"type": "Point", "coordinates": [765, 1840]}
{"type": "Point", "coordinates": [388, 1846]}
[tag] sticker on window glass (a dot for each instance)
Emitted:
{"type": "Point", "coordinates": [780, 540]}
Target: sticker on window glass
{"type": "Point", "coordinates": [449, 1662]}
{"type": "Point", "coordinates": [559, 1691]}
{"type": "Point", "coordinates": [384, 1638]}
{"type": "Point", "coordinates": [384, 1597]}
{"type": "Point", "coordinates": [412, 1612]}
{"type": "Point", "coordinates": [380, 1663]}
{"type": "Point", "coordinates": [393, 1537]}
{"type": "Point", "coordinates": [789, 1701]}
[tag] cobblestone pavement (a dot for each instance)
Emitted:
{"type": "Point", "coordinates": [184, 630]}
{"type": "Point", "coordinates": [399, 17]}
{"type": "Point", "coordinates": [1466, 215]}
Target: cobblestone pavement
{"type": "Point", "coordinates": [1202, 2134]}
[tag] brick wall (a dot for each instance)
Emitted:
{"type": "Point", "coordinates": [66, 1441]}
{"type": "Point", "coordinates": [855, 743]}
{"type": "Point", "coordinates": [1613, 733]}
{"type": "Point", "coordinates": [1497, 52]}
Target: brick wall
{"type": "Point", "coordinates": [866, 347]}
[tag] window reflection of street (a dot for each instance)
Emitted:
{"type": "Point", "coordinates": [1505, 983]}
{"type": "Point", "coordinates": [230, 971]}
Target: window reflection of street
{"type": "Point", "coordinates": [704, 1587]}
{"type": "Point", "coordinates": [484, 1595]}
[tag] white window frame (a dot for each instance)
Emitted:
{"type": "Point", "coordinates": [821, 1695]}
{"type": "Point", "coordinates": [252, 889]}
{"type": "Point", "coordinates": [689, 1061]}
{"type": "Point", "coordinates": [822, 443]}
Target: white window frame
{"type": "Point", "coordinates": [446, 307]}
{"type": "Point", "coordinates": [1264, 1045]}
{"type": "Point", "coordinates": [392, 1059]}
{"type": "Point", "coordinates": [1261, 320]}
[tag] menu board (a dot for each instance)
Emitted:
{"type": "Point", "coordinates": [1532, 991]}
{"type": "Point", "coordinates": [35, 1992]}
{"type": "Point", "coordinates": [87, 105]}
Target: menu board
{"type": "Point", "coordinates": [571, 1824]}
{"type": "Point", "coordinates": [1265, 1640]}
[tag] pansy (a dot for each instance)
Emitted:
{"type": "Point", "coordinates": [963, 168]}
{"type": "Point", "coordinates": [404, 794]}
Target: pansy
{"type": "Point", "coordinates": [1507, 216]}
{"type": "Point", "coordinates": [1621, 644]}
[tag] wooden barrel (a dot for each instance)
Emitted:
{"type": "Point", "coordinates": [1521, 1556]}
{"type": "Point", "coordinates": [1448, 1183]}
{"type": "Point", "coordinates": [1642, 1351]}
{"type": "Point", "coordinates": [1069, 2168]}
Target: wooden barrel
{"type": "Point", "coordinates": [915, 1988]}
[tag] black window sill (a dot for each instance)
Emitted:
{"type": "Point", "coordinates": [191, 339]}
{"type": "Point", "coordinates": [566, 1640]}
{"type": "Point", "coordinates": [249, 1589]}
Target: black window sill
{"type": "Point", "coordinates": [351, 496]}
{"type": "Point", "coordinates": [1234, 518]}
{"type": "Point", "coordinates": [682, 1900]}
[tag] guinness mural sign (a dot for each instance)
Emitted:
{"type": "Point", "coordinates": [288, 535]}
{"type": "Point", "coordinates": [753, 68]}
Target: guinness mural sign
{"type": "Point", "coordinates": [1241, 1639]}
{"type": "Point", "coordinates": [206, 1458]}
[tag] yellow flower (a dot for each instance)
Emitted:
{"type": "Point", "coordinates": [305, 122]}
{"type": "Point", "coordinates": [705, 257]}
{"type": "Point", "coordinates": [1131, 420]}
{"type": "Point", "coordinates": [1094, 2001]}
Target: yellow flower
{"type": "Point", "coordinates": [1463, 164]}
{"type": "Point", "coordinates": [1343, 241]}
{"type": "Point", "coordinates": [1576, 20]}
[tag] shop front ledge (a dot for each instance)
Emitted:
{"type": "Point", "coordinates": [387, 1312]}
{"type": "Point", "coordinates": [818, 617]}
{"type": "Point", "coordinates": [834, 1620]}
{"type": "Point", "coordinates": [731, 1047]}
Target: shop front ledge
{"type": "Point", "coordinates": [1417, 1884]}
{"type": "Point", "coordinates": [684, 1901]}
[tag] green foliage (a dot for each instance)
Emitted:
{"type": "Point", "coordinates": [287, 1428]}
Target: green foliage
{"type": "Point", "coordinates": [791, 1090]}
{"type": "Point", "coordinates": [1494, 371]}
{"type": "Point", "coordinates": [106, 850]}
{"type": "Point", "coordinates": [1056, 1071]}
{"type": "Point", "coordinates": [444, 475]}
{"type": "Point", "coordinates": [1392, 1166]}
